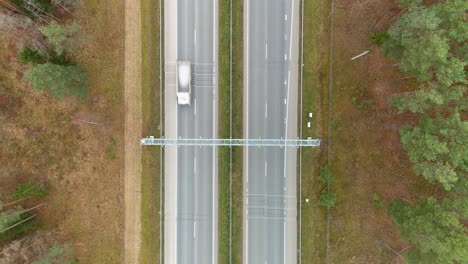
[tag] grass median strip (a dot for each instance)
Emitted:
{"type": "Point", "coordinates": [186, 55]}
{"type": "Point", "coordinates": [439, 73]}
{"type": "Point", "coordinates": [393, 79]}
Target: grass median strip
{"type": "Point", "coordinates": [150, 192]}
{"type": "Point", "coordinates": [227, 237]}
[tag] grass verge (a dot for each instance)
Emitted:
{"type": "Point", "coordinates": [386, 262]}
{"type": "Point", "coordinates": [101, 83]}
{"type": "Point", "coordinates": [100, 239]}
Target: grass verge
{"type": "Point", "coordinates": [314, 94]}
{"type": "Point", "coordinates": [224, 131]}
{"type": "Point", "coordinates": [366, 156]}
{"type": "Point", "coordinates": [150, 192]}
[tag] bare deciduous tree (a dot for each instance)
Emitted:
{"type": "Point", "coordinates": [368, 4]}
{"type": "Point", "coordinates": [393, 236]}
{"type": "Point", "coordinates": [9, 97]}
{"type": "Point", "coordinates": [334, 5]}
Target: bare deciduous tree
{"type": "Point", "coordinates": [23, 30]}
{"type": "Point", "coordinates": [67, 5]}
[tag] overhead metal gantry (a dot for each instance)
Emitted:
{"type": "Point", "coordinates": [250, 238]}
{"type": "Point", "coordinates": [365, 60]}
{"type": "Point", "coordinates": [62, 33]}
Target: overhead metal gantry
{"type": "Point", "coordinates": [257, 142]}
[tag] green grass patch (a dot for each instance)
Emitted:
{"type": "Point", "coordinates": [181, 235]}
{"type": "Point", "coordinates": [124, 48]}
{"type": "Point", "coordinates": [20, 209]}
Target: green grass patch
{"type": "Point", "coordinates": [377, 201]}
{"type": "Point", "coordinates": [150, 178]}
{"type": "Point", "coordinates": [224, 130]}
{"type": "Point", "coordinates": [111, 150]}
{"type": "Point", "coordinates": [28, 190]}
{"type": "Point", "coordinates": [314, 95]}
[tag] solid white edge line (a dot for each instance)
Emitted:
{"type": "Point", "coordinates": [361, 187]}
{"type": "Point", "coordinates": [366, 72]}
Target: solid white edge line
{"type": "Point", "coordinates": [284, 232]}
{"type": "Point", "coordinates": [246, 89]}
{"type": "Point", "coordinates": [176, 251]}
{"type": "Point", "coordinates": [214, 153]}
{"type": "Point", "coordinates": [195, 151]}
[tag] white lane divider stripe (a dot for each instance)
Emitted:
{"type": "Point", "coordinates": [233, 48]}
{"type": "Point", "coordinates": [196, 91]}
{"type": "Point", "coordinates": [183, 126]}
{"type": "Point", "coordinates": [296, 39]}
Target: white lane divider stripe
{"type": "Point", "coordinates": [194, 229]}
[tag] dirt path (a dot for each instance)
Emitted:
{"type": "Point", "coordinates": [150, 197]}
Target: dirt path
{"type": "Point", "coordinates": [133, 130]}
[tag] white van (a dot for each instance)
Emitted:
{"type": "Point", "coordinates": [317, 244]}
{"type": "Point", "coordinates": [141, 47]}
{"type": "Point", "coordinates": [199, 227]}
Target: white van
{"type": "Point", "coordinates": [184, 86]}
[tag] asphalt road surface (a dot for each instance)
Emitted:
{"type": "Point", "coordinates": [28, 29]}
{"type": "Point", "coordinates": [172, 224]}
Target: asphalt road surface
{"type": "Point", "coordinates": [193, 239]}
{"type": "Point", "coordinates": [270, 104]}
{"type": "Point", "coordinates": [196, 175]}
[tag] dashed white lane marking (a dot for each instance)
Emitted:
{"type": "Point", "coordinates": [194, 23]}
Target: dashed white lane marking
{"type": "Point", "coordinates": [266, 50]}
{"type": "Point", "coordinates": [194, 229]}
{"type": "Point", "coordinates": [266, 110]}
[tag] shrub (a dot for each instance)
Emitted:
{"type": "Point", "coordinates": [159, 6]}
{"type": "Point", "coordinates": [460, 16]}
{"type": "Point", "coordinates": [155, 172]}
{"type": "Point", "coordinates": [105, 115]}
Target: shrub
{"type": "Point", "coordinates": [58, 253]}
{"type": "Point", "coordinates": [379, 38]}
{"type": "Point", "coordinates": [377, 201]}
{"type": "Point", "coordinates": [111, 149]}
{"type": "Point", "coordinates": [327, 199]}
{"type": "Point", "coordinates": [28, 190]}
{"type": "Point", "coordinates": [28, 55]}
{"type": "Point", "coordinates": [325, 175]}
{"type": "Point", "coordinates": [59, 80]}
{"type": "Point", "coordinates": [58, 59]}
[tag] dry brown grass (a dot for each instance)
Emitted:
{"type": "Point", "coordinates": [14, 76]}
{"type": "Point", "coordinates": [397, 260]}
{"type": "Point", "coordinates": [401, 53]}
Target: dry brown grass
{"type": "Point", "coordinates": [46, 142]}
{"type": "Point", "coordinates": [366, 154]}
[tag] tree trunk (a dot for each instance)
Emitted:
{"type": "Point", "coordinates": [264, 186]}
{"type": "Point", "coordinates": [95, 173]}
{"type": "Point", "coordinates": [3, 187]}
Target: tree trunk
{"type": "Point", "coordinates": [19, 223]}
{"type": "Point", "coordinates": [10, 6]}
{"type": "Point", "coordinates": [13, 202]}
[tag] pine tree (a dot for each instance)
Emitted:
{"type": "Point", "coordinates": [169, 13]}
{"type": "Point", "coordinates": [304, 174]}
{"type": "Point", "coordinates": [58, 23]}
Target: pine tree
{"type": "Point", "coordinates": [10, 217]}
{"type": "Point", "coordinates": [430, 95]}
{"type": "Point", "coordinates": [429, 43]}
{"type": "Point", "coordinates": [428, 38]}
{"type": "Point", "coordinates": [438, 149]}
{"type": "Point", "coordinates": [435, 228]}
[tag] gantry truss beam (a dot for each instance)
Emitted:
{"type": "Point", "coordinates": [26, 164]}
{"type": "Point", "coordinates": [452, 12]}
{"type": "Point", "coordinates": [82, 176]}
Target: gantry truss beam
{"type": "Point", "coordinates": [258, 142]}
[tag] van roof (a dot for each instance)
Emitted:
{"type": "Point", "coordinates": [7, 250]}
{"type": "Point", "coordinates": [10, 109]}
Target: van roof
{"type": "Point", "coordinates": [184, 74]}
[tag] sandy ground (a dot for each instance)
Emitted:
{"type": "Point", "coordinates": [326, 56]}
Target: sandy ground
{"type": "Point", "coordinates": [133, 128]}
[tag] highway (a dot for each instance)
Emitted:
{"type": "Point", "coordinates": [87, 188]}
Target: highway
{"type": "Point", "coordinates": [270, 111]}
{"type": "Point", "coordinates": [191, 172]}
